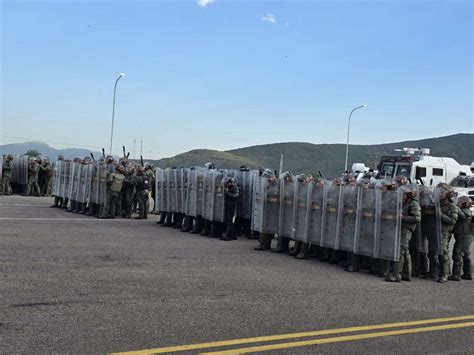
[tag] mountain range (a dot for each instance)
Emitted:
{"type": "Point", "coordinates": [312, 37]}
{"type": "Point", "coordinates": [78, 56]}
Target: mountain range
{"type": "Point", "coordinates": [298, 157]}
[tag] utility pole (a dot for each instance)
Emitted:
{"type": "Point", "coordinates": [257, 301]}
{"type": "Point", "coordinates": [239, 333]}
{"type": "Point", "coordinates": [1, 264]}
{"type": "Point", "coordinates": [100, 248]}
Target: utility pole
{"type": "Point", "coordinates": [141, 148]}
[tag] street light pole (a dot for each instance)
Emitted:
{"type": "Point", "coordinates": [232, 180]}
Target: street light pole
{"type": "Point", "coordinates": [348, 130]}
{"type": "Point", "coordinates": [113, 113]}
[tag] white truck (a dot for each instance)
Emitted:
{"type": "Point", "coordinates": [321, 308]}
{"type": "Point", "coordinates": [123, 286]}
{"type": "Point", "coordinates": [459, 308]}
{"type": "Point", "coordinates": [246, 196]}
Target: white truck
{"type": "Point", "coordinates": [420, 167]}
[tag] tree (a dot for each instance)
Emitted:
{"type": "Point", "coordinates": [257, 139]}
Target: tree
{"type": "Point", "coordinates": [33, 153]}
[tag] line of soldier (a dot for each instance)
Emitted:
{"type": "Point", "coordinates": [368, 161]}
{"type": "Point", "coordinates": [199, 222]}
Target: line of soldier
{"type": "Point", "coordinates": [424, 251]}
{"type": "Point", "coordinates": [126, 188]}
{"type": "Point", "coordinates": [39, 177]}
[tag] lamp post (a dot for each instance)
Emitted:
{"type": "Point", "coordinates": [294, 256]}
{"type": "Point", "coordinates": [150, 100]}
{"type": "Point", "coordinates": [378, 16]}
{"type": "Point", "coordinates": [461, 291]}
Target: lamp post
{"type": "Point", "coordinates": [348, 130]}
{"type": "Point", "coordinates": [113, 113]}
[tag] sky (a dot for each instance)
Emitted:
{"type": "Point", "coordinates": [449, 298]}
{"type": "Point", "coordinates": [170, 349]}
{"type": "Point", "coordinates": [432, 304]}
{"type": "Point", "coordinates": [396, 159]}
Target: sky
{"type": "Point", "coordinates": [228, 74]}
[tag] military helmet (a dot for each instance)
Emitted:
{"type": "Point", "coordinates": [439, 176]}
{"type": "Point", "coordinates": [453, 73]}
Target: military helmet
{"type": "Point", "coordinates": [445, 191]}
{"type": "Point", "coordinates": [268, 173]}
{"type": "Point", "coordinates": [464, 202]}
{"type": "Point", "coordinates": [244, 168]}
{"type": "Point", "coordinates": [409, 190]}
{"type": "Point", "coordinates": [401, 180]}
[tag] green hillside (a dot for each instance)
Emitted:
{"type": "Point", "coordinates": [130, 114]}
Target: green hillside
{"type": "Point", "coordinates": [329, 158]}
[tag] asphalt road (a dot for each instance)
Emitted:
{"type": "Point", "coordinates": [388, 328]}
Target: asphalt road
{"type": "Point", "coordinates": [75, 284]}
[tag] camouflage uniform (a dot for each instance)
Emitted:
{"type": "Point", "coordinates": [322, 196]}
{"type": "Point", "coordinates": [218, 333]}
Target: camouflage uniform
{"type": "Point", "coordinates": [7, 168]}
{"type": "Point", "coordinates": [114, 186]}
{"type": "Point", "coordinates": [33, 186]}
{"type": "Point", "coordinates": [461, 251]}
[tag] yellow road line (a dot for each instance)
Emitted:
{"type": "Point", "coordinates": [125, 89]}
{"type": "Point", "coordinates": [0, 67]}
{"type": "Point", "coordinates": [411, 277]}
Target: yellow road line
{"type": "Point", "coordinates": [259, 339]}
{"type": "Point", "coordinates": [342, 339]}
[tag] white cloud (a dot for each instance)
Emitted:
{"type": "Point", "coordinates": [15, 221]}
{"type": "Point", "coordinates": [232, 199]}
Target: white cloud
{"type": "Point", "coordinates": [269, 18]}
{"type": "Point", "coordinates": [204, 3]}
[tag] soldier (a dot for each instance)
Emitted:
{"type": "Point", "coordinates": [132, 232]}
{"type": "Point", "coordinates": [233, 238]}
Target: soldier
{"type": "Point", "coordinates": [142, 185]}
{"type": "Point", "coordinates": [448, 212]}
{"type": "Point", "coordinates": [114, 186]}
{"type": "Point", "coordinates": [33, 170]}
{"type": "Point", "coordinates": [7, 168]}
{"type": "Point", "coordinates": [127, 191]}
{"type": "Point", "coordinates": [265, 239]}
{"type": "Point", "coordinates": [300, 250]}
{"type": "Point", "coordinates": [410, 218]}
{"type": "Point", "coordinates": [463, 236]}
{"type": "Point", "coordinates": [58, 201]}
{"type": "Point", "coordinates": [150, 173]}
{"type": "Point", "coordinates": [231, 193]}
{"type": "Point", "coordinates": [283, 243]}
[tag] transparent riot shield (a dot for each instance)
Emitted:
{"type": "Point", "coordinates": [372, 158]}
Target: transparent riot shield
{"type": "Point", "coordinates": [81, 185]}
{"type": "Point", "coordinates": [287, 200]}
{"type": "Point", "coordinates": [179, 190]}
{"type": "Point", "coordinates": [102, 184]}
{"type": "Point", "coordinates": [348, 218]}
{"type": "Point", "coordinates": [331, 211]}
{"type": "Point", "coordinates": [218, 202]}
{"type": "Point", "coordinates": [73, 179]}
{"type": "Point", "coordinates": [388, 224]}
{"type": "Point", "coordinates": [266, 205]}
{"type": "Point", "coordinates": [184, 183]}
{"type": "Point", "coordinates": [89, 171]}
{"type": "Point", "coordinates": [94, 184]}
{"type": "Point", "coordinates": [67, 178]}
{"type": "Point", "coordinates": [438, 229]}
{"type": "Point", "coordinates": [57, 176]}
{"type": "Point", "coordinates": [20, 170]}
{"type": "Point", "coordinates": [190, 206]}
{"type": "Point", "coordinates": [200, 191]}
{"type": "Point", "coordinates": [365, 227]}
{"type": "Point", "coordinates": [301, 212]}
{"type": "Point", "coordinates": [1, 168]}
{"type": "Point", "coordinates": [208, 201]}
{"type": "Point", "coordinates": [316, 193]}
{"type": "Point", "coordinates": [238, 176]}
{"type": "Point", "coordinates": [429, 229]}
{"type": "Point", "coordinates": [248, 178]}
{"type": "Point", "coordinates": [170, 175]}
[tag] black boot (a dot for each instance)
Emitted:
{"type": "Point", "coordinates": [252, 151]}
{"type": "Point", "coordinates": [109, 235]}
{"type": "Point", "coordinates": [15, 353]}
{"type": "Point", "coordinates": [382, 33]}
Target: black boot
{"type": "Point", "coordinates": [303, 254]}
{"type": "Point", "coordinates": [205, 229]}
{"type": "Point", "coordinates": [197, 225]}
{"type": "Point", "coordinates": [265, 241]}
{"type": "Point", "coordinates": [162, 218]}
{"type": "Point", "coordinates": [283, 245]}
{"type": "Point", "coordinates": [228, 233]}
{"type": "Point", "coordinates": [187, 224]}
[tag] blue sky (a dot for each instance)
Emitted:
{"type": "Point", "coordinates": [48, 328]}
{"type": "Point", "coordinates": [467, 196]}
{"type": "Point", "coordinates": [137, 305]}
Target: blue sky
{"type": "Point", "coordinates": [234, 73]}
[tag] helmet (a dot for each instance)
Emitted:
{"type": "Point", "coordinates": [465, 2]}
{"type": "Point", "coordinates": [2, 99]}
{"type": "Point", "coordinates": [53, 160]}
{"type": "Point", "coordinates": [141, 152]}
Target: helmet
{"type": "Point", "coordinates": [444, 191]}
{"type": "Point", "coordinates": [401, 180]}
{"type": "Point", "coordinates": [464, 202]}
{"type": "Point", "coordinates": [244, 168]}
{"type": "Point", "coordinates": [210, 165]}
{"type": "Point", "coordinates": [120, 168]}
{"type": "Point", "coordinates": [338, 181]}
{"type": "Point", "coordinates": [268, 173]}
{"type": "Point", "coordinates": [9, 157]}
{"type": "Point", "coordinates": [387, 184]}
{"type": "Point", "coordinates": [408, 190]}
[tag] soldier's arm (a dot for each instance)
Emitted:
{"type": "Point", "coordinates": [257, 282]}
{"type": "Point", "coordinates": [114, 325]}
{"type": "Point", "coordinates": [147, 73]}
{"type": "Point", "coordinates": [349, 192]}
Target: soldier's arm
{"type": "Point", "coordinates": [451, 219]}
{"type": "Point", "coordinates": [414, 215]}
{"type": "Point", "coordinates": [110, 178]}
{"type": "Point", "coordinates": [468, 213]}
{"type": "Point", "coordinates": [461, 215]}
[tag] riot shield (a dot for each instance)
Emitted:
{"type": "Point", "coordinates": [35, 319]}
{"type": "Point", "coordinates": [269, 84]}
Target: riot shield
{"type": "Point", "coordinates": [20, 170]}
{"type": "Point", "coordinates": [238, 176]}
{"type": "Point", "coordinates": [248, 178]}
{"type": "Point", "coordinates": [365, 227]}
{"type": "Point", "coordinates": [179, 190]}
{"type": "Point", "coordinates": [72, 187]}
{"type": "Point", "coordinates": [200, 191]}
{"type": "Point", "coordinates": [102, 184]}
{"type": "Point", "coordinates": [218, 197]}
{"type": "Point", "coordinates": [57, 175]}
{"type": "Point", "coordinates": [89, 171]}
{"type": "Point", "coordinates": [67, 178]}
{"type": "Point", "coordinates": [190, 206]}
{"type": "Point", "coordinates": [437, 229]}
{"type": "Point", "coordinates": [287, 198]}
{"type": "Point", "coordinates": [301, 212]}
{"type": "Point", "coordinates": [170, 175]}
{"type": "Point", "coordinates": [316, 193]}
{"type": "Point", "coordinates": [82, 185]}
{"type": "Point", "coordinates": [266, 205]}
{"type": "Point", "coordinates": [331, 212]}
{"type": "Point", "coordinates": [94, 183]}
{"type": "Point", "coordinates": [388, 224]}
{"type": "Point", "coordinates": [184, 193]}
{"type": "Point", "coordinates": [426, 230]}
{"type": "Point", "coordinates": [158, 189]}
{"type": "Point", "coordinates": [1, 168]}
{"type": "Point", "coordinates": [208, 201]}
{"type": "Point", "coordinates": [348, 216]}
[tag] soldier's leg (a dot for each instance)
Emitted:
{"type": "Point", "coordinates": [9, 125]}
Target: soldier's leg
{"type": "Point", "coordinates": [457, 259]}
{"type": "Point", "coordinates": [141, 207]}
{"type": "Point", "coordinates": [264, 241]}
{"type": "Point", "coordinates": [296, 248]}
{"type": "Point", "coordinates": [433, 259]}
{"type": "Point", "coordinates": [283, 245]}
{"type": "Point", "coordinates": [187, 225]}
{"type": "Point", "coordinates": [228, 232]}
{"type": "Point", "coordinates": [355, 263]}
{"type": "Point", "coordinates": [37, 188]}
{"type": "Point", "coordinates": [384, 268]}
{"type": "Point", "coordinates": [445, 265]}
{"type": "Point", "coordinates": [303, 253]}
{"type": "Point", "coordinates": [206, 228]}
{"type": "Point", "coordinates": [29, 187]}
{"type": "Point", "coordinates": [197, 225]}
{"type": "Point", "coordinates": [467, 266]}
{"type": "Point", "coordinates": [8, 187]}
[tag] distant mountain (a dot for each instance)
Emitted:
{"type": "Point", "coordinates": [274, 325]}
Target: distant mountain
{"type": "Point", "coordinates": [45, 150]}
{"type": "Point", "coordinates": [327, 158]}
{"type": "Point", "coordinates": [298, 157]}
